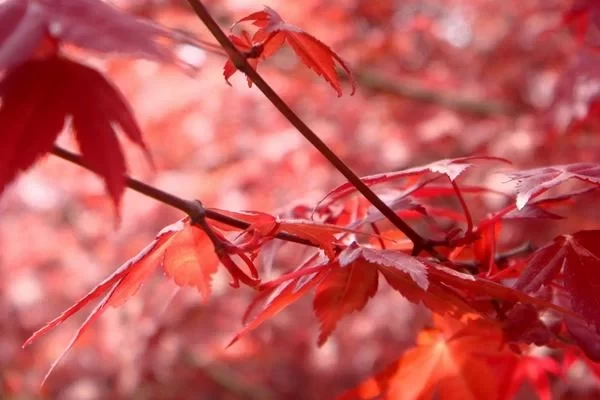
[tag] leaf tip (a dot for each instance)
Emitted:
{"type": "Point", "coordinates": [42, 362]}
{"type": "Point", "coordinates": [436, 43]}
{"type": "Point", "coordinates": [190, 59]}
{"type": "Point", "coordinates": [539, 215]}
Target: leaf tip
{"type": "Point", "coordinates": [233, 341]}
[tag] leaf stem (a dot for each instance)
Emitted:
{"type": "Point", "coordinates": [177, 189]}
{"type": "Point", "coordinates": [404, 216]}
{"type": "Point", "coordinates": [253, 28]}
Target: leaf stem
{"type": "Point", "coordinates": [241, 64]}
{"type": "Point", "coordinates": [463, 205]}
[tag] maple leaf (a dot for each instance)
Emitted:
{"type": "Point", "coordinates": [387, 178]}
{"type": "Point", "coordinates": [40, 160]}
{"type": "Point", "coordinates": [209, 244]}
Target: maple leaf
{"type": "Point", "coordinates": [244, 44]}
{"type": "Point", "coordinates": [267, 226]}
{"type": "Point", "coordinates": [273, 33]}
{"type": "Point", "coordinates": [183, 250]}
{"type": "Point", "coordinates": [523, 324]}
{"type": "Point", "coordinates": [39, 95]}
{"type": "Point", "coordinates": [533, 182]}
{"type": "Point", "coordinates": [343, 285]}
{"type": "Point", "coordinates": [89, 24]}
{"type": "Point", "coordinates": [577, 256]}
{"type": "Point", "coordinates": [285, 291]}
{"type": "Point", "coordinates": [452, 168]}
{"type": "Point", "coordinates": [346, 288]}
{"type": "Point", "coordinates": [441, 366]}
{"type": "Point", "coordinates": [528, 369]}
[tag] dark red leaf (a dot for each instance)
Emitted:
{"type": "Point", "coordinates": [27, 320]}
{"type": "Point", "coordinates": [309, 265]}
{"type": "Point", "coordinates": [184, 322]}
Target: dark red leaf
{"type": "Point", "coordinates": [577, 256]}
{"type": "Point", "coordinates": [46, 92]}
{"type": "Point", "coordinates": [586, 335]}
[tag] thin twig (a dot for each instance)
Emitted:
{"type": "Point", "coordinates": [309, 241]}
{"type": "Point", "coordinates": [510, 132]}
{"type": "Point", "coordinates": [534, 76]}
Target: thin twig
{"type": "Point", "coordinates": [187, 206]}
{"type": "Point", "coordinates": [480, 108]}
{"type": "Point", "coordinates": [240, 62]}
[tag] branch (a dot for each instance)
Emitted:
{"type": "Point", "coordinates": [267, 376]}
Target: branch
{"type": "Point", "coordinates": [190, 207]}
{"type": "Point", "coordinates": [481, 108]}
{"type": "Point", "coordinates": [240, 62]}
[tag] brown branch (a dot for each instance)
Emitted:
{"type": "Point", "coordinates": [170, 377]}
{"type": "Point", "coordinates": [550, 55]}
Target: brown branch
{"type": "Point", "coordinates": [240, 62]}
{"type": "Point", "coordinates": [190, 207]}
{"type": "Point", "coordinates": [481, 108]}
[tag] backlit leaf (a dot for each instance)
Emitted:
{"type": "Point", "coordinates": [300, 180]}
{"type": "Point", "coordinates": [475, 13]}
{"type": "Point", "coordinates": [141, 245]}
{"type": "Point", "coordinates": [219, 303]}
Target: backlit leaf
{"type": "Point", "coordinates": [439, 367]}
{"type": "Point", "coordinates": [533, 182]}
{"type": "Point", "coordinates": [452, 168]}
{"type": "Point", "coordinates": [273, 33]}
{"type": "Point", "coordinates": [183, 251]}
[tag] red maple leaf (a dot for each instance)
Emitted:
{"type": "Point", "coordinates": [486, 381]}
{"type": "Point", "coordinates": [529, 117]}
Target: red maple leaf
{"type": "Point", "coordinates": [446, 364]}
{"type": "Point", "coordinates": [185, 253]}
{"type": "Point", "coordinates": [39, 95]}
{"type": "Point", "coordinates": [279, 294]}
{"type": "Point", "coordinates": [346, 283]}
{"type": "Point", "coordinates": [533, 182]}
{"type": "Point", "coordinates": [577, 258]}
{"type": "Point", "coordinates": [273, 33]}
{"type": "Point", "coordinates": [346, 288]}
{"type": "Point", "coordinates": [343, 285]}
{"type": "Point", "coordinates": [527, 370]}
{"type": "Point", "coordinates": [452, 168]}
{"type": "Point", "coordinates": [89, 24]}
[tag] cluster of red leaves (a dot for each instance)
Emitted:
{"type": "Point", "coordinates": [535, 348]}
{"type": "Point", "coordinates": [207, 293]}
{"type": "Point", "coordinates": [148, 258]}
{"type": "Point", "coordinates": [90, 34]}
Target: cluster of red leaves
{"type": "Point", "coordinates": [272, 34]}
{"type": "Point", "coordinates": [480, 348]}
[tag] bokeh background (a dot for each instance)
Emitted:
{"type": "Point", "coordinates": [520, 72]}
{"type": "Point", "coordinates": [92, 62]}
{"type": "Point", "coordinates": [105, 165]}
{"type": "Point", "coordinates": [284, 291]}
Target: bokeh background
{"type": "Point", "coordinates": [436, 79]}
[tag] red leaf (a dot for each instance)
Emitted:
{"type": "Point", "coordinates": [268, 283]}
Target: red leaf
{"type": "Point", "coordinates": [287, 292]}
{"type": "Point", "coordinates": [121, 285]}
{"type": "Point", "coordinates": [31, 117]}
{"type": "Point", "coordinates": [181, 249]}
{"type": "Point", "coordinates": [45, 92]}
{"type": "Point", "coordinates": [587, 337]}
{"type": "Point", "coordinates": [477, 287]}
{"type": "Point", "coordinates": [274, 32]}
{"type": "Point", "coordinates": [263, 227]}
{"type": "Point", "coordinates": [531, 211]}
{"type": "Point", "coordinates": [443, 365]}
{"type": "Point", "coordinates": [528, 369]}
{"type": "Point", "coordinates": [533, 182]}
{"type": "Point", "coordinates": [578, 257]}
{"type": "Point", "coordinates": [523, 324]}
{"type": "Point", "coordinates": [346, 288]}
{"type": "Point", "coordinates": [244, 44]}
{"type": "Point", "coordinates": [320, 234]}
{"type": "Point", "coordinates": [452, 168]}
{"type": "Point", "coordinates": [90, 24]}
{"type": "Point", "coordinates": [191, 260]}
